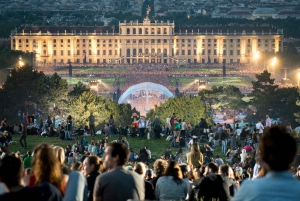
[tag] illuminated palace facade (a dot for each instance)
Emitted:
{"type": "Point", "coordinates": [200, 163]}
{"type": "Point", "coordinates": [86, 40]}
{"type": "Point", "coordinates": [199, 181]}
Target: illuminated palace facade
{"type": "Point", "coordinates": [146, 42]}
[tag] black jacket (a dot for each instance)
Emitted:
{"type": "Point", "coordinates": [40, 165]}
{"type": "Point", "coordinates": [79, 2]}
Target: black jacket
{"type": "Point", "coordinates": [210, 187]}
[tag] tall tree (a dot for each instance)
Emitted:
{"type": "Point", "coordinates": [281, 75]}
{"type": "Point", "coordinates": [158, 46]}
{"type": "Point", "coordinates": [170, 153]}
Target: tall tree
{"type": "Point", "coordinates": [232, 99]}
{"type": "Point", "coordinates": [263, 89]}
{"type": "Point", "coordinates": [22, 92]}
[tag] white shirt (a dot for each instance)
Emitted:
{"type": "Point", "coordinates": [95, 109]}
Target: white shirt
{"type": "Point", "coordinates": [255, 170]}
{"type": "Point", "coordinates": [260, 127]}
{"type": "Point", "coordinates": [268, 122]}
{"type": "Point", "coordinates": [297, 129]}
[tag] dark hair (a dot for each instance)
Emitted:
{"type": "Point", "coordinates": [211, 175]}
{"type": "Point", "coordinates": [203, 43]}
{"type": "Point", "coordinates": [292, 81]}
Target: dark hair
{"type": "Point", "coordinates": [213, 166]}
{"type": "Point", "coordinates": [119, 149]}
{"type": "Point", "coordinates": [277, 148]}
{"type": "Point", "coordinates": [11, 170]}
{"type": "Point", "coordinates": [224, 169]}
{"type": "Point", "coordinates": [174, 170]}
{"type": "Point", "coordinates": [96, 161]}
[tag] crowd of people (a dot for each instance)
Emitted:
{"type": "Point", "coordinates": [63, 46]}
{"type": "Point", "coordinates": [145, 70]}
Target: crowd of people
{"type": "Point", "coordinates": [257, 163]}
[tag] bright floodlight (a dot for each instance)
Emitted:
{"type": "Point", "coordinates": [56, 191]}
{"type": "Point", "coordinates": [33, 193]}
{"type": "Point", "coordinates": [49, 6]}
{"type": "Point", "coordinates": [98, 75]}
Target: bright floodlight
{"type": "Point", "coordinates": [256, 55]}
{"type": "Point", "coordinates": [21, 63]}
{"type": "Point", "coordinates": [274, 61]}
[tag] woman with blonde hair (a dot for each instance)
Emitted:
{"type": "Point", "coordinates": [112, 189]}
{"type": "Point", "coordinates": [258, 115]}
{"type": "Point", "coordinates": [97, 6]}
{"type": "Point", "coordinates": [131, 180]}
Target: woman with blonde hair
{"type": "Point", "coordinates": [195, 157]}
{"type": "Point", "coordinates": [46, 167]}
{"type": "Point", "coordinates": [171, 186]}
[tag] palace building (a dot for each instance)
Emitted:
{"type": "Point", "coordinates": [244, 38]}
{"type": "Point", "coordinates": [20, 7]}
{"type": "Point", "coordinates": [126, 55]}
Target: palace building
{"type": "Point", "coordinates": [146, 42]}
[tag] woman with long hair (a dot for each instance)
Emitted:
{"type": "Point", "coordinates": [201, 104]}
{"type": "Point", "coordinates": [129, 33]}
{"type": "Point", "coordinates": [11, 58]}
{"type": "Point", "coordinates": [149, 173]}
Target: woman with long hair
{"type": "Point", "coordinates": [171, 186]}
{"type": "Point", "coordinates": [46, 167]}
{"type": "Point", "coordinates": [92, 167]}
{"type": "Point", "coordinates": [195, 157]}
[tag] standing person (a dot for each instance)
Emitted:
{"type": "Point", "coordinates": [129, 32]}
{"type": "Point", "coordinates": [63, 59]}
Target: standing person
{"type": "Point", "coordinates": [168, 125]}
{"type": "Point", "coordinates": [23, 136]}
{"type": "Point", "coordinates": [277, 151]}
{"type": "Point", "coordinates": [195, 157]}
{"type": "Point", "coordinates": [142, 127]}
{"type": "Point", "coordinates": [148, 126]}
{"type": "Point", "coordinates": [111, 123]}
{"type": "Point", "coordinates": [69, 124]}
{"type": "Point", "coordinates": [49, 121]}
{"type": "Point", "coordinates": [183, 128]}
{"type": "Point", "coordinates": [91, 120]}
{"type": "Point", "coordinates": [157, 127]}
{"type": "Point", "coordinates": [259, 129]}
{"type": "Point", "coordinates": [92, 167]}
{"type": "Point", "coordinates": [118, 184]}
{"type": "Point", "coordinates": [40, 122]}
{"type": "Point", "coordinates": [268, 121]}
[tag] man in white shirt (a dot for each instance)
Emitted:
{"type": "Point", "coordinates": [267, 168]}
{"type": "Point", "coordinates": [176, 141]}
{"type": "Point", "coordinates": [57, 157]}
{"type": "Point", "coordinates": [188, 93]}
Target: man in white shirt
{"type": "Point", "coordinates": [268, 121]}
{"type": "Point", "coordinates": [259, 127]}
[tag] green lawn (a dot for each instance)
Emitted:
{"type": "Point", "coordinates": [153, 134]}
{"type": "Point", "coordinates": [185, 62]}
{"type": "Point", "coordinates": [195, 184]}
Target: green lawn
{"type": "Point", "coordinates": [215, 81]}
{"type": "Point", "coordinates": [157, 147]}
{"type": "Point", "coordinates": [172, 81]}
{"type": "Point", "coordinates": [122, 80]}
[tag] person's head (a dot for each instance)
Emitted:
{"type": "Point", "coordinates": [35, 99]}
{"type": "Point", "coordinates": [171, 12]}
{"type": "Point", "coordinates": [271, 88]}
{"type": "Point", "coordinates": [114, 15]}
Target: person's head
{"type": "Point", "coordinates": [60, 154]}
{"type": "Point", "coordinates": [92, 164]}
{"type": "Point", "coordinates": [267, 116]}
{"type": "Point", "coordinates": [140, 168]}
{"type": "Point", "coordinates": [211, 168]}
{"type": "Point", "coordinates": [91, 113]}
{"type": "Point", "coordinates": [187, 172]}
{"type": "Point", "coordinates": [116, 154]}
{"type": "Point", "coordinates": [174, 170]}
{"type": "Point", "coordinates": [77, 166]}
{"type": "Point", "coordinates": [277, 148]}
{"type": "Point", "coordinates": [225, 169]}
{"type": "Point", "coordinates": [111, 116]}
{"type": "Point", "coordinates": [160, 167]}
{"type": "Point", "coordinates": [11, 171]}
{"type": "Point", "coordinates": [195, 149]}
{"type": "Point", "coordinates": [29, 153]}
{"type": "Point", "coordinates": [45, 166]}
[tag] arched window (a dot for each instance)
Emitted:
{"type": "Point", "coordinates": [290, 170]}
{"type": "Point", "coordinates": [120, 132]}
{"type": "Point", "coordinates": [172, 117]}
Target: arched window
{"type": "Point", "coordinates": [140, 31]}
{"type": "Point", "coordinates": [134, 52]}
{"type": "Point", "coordinates": [165, 30]}
{"type": "Point", "coordinates": [152, 52]}
{"type": "Point", "coordinates": [140, 52]}
{"type": "Point", "coordinates": [165, 51]}
{"type": "Point", "coordinates": [128, 52]}
{"type": "Point", "coordinates": [146, 31]}
{"type": "Point", "coordinates": [134, 31]}
{"type": "Point", "coordinates": [158, 30]}
{"type": "Point", "coordinates": [128, 31]}
{"type": "Point", "coordinates": [146, 51]}
{"type": "Point", "coordinates": [152, 31]}
{"type": "Point", "coordinates": [158, 52]}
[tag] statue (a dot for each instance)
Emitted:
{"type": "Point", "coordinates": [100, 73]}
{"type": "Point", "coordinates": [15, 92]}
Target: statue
{"type": "Point", "coordinates": [148, 11]}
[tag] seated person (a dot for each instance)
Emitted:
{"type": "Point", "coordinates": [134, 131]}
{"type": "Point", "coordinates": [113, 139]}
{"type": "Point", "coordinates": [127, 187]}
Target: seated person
{"type": "Point", "coordinates": [52, 131]}
{"type": "Point", "coordinates": [8, 138]}
{"type": "Point", "coordinates": [45, 133]}
{"type": "Point", "coordinates": [80, 131]}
